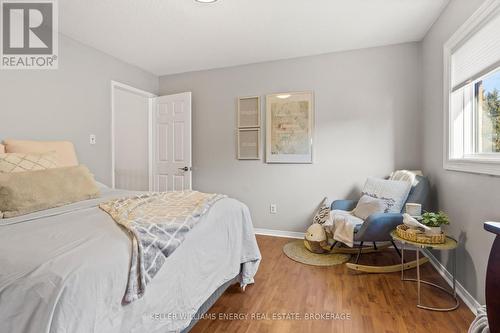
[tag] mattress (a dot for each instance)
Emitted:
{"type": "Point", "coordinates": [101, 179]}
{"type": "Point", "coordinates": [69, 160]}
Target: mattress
{"type": "Point", "coordinates": [65, 270]}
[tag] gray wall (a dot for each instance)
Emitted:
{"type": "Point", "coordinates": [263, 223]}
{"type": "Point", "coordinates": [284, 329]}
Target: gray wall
{"type": "Point", "coordinates": [68, 103]}
{"type": "Point", "coordinates": [468, 198]}
{"type": "Point", "coordinates": [131, 140]}
{"type": "Point", "coordinates": [367, 123]}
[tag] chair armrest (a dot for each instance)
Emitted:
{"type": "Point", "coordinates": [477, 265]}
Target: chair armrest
{"type": "Point", "coordinates": [344, 205]}
{"type": "Point", "coordinates": [378, 227]}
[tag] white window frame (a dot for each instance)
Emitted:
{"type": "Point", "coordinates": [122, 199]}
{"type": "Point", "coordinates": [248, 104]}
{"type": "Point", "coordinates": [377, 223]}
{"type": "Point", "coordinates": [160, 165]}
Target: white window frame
{"type": "Point", "coordinates": [483, 163]}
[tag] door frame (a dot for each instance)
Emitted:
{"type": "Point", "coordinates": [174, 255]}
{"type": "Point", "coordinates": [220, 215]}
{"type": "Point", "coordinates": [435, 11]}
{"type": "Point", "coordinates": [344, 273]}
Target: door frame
{"type": "Point", "coordinates": [150, 96]}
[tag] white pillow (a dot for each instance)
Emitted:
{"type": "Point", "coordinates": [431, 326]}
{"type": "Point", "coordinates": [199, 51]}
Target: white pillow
{"type": "Point", "coordinates": [393, 192]}
{"type": "Point", "coordinates": [367, 206]}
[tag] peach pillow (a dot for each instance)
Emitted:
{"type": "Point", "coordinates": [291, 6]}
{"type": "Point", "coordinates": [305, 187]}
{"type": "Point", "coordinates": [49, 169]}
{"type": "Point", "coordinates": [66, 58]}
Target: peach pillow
{"type": "Point", "coordinates": [65, 150]}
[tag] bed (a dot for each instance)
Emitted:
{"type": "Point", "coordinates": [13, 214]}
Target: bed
{"type": "Point", "coordinates": [65, 270]}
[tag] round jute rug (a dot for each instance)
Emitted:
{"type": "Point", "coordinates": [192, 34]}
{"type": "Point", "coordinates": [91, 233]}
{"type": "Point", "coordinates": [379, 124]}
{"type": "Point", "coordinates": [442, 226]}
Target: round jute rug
{"type": "Point", "coordinates": [297, 251]}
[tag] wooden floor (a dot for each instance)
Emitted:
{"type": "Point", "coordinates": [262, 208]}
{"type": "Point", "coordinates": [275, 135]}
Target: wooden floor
{"type": "Point", "coordinates": [367, 302]}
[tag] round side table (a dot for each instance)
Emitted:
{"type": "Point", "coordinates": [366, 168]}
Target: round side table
{"type": "Point", "coordinates": [450, 245]}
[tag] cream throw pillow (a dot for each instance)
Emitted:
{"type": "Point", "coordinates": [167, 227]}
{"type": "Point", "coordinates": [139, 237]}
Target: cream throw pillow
{"type": "Point", "coordinates": [66, 155]}
{"type": "Point", "coordinates": [367, 206]}
{"type": "Point", "coordinates": [26, 192]}
{"type": "Point", "coordinates": [18, 162]}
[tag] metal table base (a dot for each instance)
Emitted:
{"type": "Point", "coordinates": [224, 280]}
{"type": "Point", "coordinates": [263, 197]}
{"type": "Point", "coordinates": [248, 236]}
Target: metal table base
{"type": "Point", "coordinates": [452, 293]}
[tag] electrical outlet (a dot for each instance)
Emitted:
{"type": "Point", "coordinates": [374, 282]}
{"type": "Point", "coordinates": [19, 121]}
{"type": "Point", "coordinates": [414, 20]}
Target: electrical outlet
{"type": "Point", "coordinates": [273, 208]}
{"type": "Point", "coordinates": [92, 139]}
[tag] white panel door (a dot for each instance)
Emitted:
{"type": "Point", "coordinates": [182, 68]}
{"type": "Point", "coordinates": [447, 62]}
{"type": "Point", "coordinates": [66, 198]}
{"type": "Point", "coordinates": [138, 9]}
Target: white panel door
{"type": "Point", "coordinates": [172, 142]}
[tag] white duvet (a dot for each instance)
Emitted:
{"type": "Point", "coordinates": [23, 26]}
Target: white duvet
{"type": "Point", "coordinates": [65, 270]}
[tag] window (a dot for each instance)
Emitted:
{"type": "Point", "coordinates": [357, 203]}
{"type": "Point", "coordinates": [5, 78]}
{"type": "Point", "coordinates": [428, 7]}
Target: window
{"type": "Point", "coordinates": [487, 115]}
{"type": "Point", "coordinates": [472, 94]}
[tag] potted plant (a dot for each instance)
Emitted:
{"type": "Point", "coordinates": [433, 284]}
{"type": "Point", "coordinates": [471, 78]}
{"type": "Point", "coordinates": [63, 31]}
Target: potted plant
{"type": "Point", "coordinates": [434, 221]}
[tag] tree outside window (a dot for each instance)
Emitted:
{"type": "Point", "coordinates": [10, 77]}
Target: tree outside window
{"type": "Point", "coordinates": [487, 92]}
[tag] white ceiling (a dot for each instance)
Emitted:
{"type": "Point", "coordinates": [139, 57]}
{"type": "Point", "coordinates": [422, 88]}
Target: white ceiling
{"type": "Point", "coordinates": [173, 36]}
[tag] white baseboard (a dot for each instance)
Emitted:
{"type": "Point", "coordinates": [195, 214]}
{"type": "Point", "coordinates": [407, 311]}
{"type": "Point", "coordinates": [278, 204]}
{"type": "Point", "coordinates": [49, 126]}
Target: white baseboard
{"type": "Point", "coordinates": [468, 299]}
{"type": "Point", "coordinates": [279, 233]}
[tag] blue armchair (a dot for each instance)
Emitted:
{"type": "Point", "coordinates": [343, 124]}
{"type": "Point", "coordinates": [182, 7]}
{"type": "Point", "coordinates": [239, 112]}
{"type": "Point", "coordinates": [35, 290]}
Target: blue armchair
{"type": "Point", "coordinates": [377, 227]}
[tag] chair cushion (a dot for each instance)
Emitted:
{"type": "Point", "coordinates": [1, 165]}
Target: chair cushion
{"type": "Point", "coordinates": [393, 192]}
{"type": "Point", "coordinates": [368, 205]}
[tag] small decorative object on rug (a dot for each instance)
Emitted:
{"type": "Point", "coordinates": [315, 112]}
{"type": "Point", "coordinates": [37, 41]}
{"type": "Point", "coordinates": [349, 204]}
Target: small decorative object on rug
{"type": "Point", "coordinates": [315, 239]}
{"type": "Point", "coordinates": [296, 251]}
{"type": "Point", "coordinates": [434, 221]}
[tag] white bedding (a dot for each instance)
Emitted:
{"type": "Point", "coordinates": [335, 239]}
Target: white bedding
{"type": "Point", "coordinates": [65, 270]}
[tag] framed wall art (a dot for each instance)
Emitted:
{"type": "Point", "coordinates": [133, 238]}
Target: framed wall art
{"type": "Point", "coordinates": [248, 143]}
{"type": "Point", "coordinates": [289, 127]}
{"type": "Point", "coordinates": [249, 112]}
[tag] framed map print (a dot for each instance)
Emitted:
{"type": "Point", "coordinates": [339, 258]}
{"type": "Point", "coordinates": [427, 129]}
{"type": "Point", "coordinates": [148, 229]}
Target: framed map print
{"type": "Point", "coordinates": [289, 127]}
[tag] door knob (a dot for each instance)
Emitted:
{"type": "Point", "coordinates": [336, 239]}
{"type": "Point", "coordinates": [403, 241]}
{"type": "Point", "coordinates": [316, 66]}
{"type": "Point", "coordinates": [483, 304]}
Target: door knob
{"type": "Point", "coordinates": [185, 168]}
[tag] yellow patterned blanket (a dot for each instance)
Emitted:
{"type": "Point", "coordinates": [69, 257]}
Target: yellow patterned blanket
{"type": "Point", "coordinates": [157, 224]}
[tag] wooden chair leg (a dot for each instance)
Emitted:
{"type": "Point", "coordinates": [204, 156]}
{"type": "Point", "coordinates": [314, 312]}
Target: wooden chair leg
{"type": "Point", "coordinates": [359, 251]}
{"type": "Point", "coordinates": [375, 246]}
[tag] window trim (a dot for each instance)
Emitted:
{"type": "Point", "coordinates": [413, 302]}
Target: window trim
{"type": "Point", "coordinates": [476, 163]}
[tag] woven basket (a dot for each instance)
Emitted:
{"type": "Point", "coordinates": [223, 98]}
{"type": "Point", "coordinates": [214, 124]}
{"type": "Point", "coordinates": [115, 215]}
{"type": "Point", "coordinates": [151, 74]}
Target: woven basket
{"type": "Point", "coordinates": [418, 235]}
